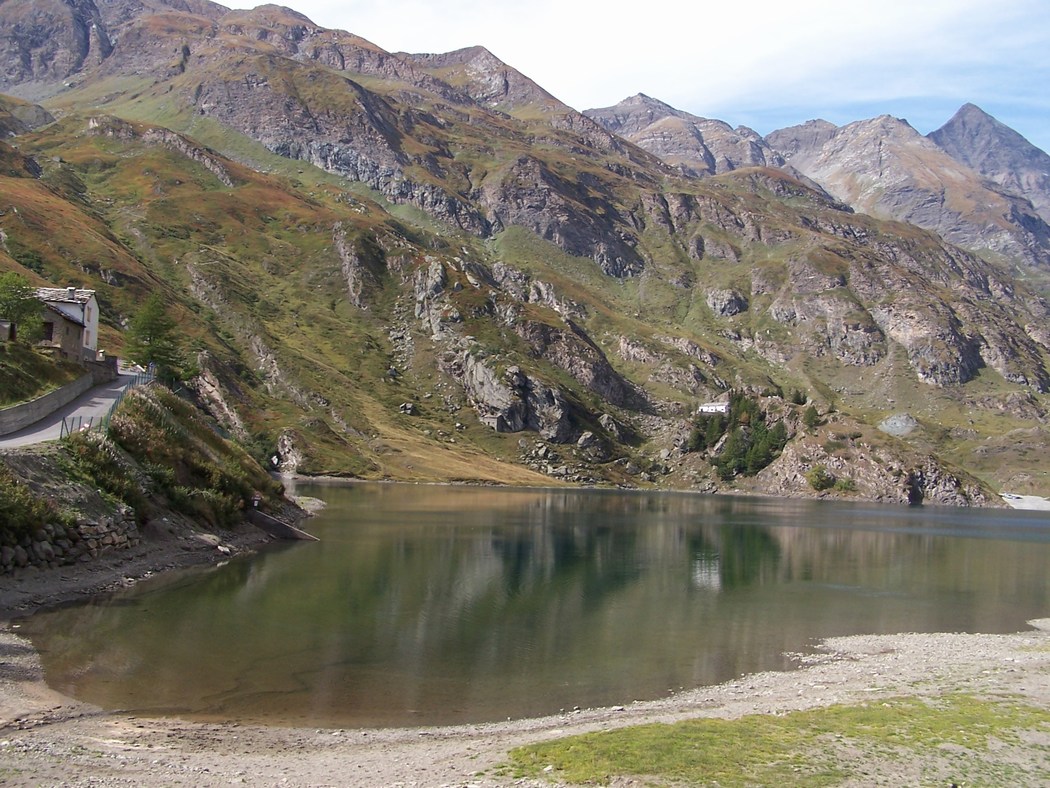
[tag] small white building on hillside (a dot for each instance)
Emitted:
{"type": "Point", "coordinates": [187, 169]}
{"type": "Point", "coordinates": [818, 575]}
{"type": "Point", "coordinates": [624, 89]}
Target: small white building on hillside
{"type": "Point", "coordinates": [70, 321]}
{"type": "Point", "coordinates": [714, 407]}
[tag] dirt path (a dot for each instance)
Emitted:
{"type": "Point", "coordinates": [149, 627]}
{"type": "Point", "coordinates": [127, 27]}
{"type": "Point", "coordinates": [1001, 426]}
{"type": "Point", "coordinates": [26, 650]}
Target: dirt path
{"type": "Point", "coordinates": [46, 738]}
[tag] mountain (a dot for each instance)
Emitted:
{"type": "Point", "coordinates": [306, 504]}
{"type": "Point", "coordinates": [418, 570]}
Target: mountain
{"type": "Point", "coordinates": [696, 145]}
{"type": "Point", "coordinates": [886, 168]}
{"type": "Point", "coordinates": [427, 267]}
{"type": "Point", "coordinates": [999, 153]}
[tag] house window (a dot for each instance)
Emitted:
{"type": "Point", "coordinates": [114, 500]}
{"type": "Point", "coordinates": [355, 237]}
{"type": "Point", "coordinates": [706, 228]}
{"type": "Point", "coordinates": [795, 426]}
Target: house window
{"type": "Point", "coordinates": [49, 332]}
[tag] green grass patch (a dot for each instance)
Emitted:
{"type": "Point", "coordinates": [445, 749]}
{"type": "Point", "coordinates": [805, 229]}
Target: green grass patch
{"type": "Point", "coordinates": [806, 748]}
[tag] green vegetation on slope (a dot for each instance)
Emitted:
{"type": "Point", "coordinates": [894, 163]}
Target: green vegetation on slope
{"type": "Point", "coordinates": [751, 445]}
{"type": "Point", "coordinates": [21, 511]}
{"type": "Point", "coordinates": [160, 451]}
{"type": "Point", "coordinates": [26, 373]}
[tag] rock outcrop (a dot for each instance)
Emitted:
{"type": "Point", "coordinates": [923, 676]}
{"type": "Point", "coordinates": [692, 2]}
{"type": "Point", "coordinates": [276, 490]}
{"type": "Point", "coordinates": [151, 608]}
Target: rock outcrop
{"type": "Point", "coordinates": [870, 470]}
{"type": "Point", "coordinates": [511, 400]}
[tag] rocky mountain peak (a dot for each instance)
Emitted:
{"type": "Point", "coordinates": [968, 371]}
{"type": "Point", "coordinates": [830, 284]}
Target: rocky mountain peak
{"type": "Point", "coordinates": [978, 140]}
{"type": "Point", "coordinates": [286, 30]}
{"type": "Point", "coordinates": [633, 114]}
{"type": "Point", "coordinates": [486, 79]}
{"type": "Point", "coordinates": [803, 140]}
{"type": "Point", "coordinates": [884, 167]}
{"type": "Point", "coordinates": [699, 146]}
{"type": "Point", "coordinates": [278, 12]}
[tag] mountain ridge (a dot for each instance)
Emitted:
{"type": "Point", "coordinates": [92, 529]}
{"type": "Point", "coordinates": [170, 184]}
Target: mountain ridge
{"type": "Point", "coordinates": [447, 269]}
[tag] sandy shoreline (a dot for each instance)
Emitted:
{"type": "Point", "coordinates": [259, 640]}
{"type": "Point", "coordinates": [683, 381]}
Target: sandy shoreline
{"type": "Point", "coordinates": [47, 738]}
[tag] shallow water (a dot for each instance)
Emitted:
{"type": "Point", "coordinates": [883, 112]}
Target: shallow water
{"type": "Point", "coordinates": [426, 605]}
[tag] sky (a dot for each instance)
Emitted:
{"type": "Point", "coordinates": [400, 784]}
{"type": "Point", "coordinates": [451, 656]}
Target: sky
{"type": "Point", "coordinates": [760, 63]}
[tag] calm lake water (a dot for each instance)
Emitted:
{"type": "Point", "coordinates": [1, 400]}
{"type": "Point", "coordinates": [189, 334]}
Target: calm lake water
{"type": "Point", "coordinates": [432, 605]}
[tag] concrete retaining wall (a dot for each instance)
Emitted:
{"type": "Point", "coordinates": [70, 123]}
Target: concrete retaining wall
{"type": "Point", "coordinates": [278, 528]}
{"type": "Point", "coordinates": [20, 416]}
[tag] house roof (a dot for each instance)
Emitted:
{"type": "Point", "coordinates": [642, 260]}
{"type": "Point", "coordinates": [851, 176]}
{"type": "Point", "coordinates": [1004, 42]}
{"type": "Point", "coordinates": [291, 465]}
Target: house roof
{"type": "Point", "coordinates": [64, 315]}
{"type": "Point", "coordinates": [62, 295]}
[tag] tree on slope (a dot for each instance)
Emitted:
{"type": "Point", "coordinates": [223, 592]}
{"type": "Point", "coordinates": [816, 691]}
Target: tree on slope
{"type": "Point", "coordinates": [19, 304]}
{"type": "Point", "coordinates": [151, 338]}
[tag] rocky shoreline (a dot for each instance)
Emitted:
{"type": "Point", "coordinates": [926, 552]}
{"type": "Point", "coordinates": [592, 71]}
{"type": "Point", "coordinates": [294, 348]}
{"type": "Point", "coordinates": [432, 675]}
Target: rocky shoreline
{"type": "Point", "coordinates": [165, 544]}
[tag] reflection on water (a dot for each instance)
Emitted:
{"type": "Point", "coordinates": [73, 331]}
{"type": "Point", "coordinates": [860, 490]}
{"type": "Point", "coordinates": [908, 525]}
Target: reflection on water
{"type": "Point", "coordinates": [433, 605]}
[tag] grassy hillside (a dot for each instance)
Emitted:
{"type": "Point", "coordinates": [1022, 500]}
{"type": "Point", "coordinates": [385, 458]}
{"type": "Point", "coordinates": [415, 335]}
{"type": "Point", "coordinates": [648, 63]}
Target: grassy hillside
{"type": "Point", "coordinates": [26, 373]}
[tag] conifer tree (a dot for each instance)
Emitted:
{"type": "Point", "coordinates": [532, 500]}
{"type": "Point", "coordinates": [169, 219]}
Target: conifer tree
{"type": "Point", "coordinates": [151, 339]}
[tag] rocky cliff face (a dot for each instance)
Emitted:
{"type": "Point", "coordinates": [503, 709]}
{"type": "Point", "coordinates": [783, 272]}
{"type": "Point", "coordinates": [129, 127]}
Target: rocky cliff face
{"type": "Point", "coordinates": [872, 470]}
{"type": "Point", "coordinates": [17, 117]}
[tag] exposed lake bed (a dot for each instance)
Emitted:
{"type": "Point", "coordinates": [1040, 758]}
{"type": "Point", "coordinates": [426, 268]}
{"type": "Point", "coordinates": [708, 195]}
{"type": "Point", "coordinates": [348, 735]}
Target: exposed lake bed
{"type": "Point", "coordinates": [682, 544]}
{"type": "Point", "coordinates": [54, 740]}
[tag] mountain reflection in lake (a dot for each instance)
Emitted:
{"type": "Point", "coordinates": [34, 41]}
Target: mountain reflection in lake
{"type": "Point", "coordinates": [431, 605]}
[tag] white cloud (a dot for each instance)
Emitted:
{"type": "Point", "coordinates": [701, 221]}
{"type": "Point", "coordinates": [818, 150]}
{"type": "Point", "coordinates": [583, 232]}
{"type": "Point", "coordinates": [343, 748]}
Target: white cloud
{"type": "Point", "coordinates": [739, 60]}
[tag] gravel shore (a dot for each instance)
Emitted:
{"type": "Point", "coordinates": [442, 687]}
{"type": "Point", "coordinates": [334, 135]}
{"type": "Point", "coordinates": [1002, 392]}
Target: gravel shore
{"type": "Point", "coordinates": [46, 738]}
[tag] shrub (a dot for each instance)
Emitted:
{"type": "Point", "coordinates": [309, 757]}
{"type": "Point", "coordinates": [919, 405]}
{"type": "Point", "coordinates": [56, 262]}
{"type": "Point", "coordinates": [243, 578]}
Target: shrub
{"type": "Point", "coordinates": [820, 478]}
{"type": "Point", "coordinates": [21, 512]}
{"type": "Point", "coordinates": [98, 458]}
{"type": "Point", "coordinates": [810, 417]}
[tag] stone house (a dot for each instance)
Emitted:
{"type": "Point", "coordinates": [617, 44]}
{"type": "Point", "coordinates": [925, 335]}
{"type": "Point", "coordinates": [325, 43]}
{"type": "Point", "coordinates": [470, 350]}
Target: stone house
{"type": "Point", "coordinates": [70, 321]}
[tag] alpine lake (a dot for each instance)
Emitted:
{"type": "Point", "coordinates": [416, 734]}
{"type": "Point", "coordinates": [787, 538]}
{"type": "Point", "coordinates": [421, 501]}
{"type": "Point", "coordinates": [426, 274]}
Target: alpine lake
{"type": "Point", "coordinates": [434, 605]}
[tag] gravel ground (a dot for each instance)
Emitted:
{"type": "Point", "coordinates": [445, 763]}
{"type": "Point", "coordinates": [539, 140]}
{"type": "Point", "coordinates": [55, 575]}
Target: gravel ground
{"type": "Point", "coordinates": [49, 739]}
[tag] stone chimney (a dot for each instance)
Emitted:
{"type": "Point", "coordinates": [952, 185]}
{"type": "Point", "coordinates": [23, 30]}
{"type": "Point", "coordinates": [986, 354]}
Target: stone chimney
{"type": "Point", "coordinates": [71, 293]}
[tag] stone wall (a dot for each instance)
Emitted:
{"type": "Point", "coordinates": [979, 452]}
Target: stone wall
{"type": "Point", "coordinates": [56, 545]}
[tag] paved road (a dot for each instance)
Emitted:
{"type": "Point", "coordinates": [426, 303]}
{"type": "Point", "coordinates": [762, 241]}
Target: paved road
{"type": "Point", "coordinates": [92, 404]}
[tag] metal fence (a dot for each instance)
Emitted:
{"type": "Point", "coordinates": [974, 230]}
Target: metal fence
{"type": "Point", "coordinates": [74, 424]}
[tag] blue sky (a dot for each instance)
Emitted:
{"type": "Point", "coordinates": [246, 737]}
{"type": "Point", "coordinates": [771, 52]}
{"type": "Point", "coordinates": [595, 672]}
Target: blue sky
{"type": "Point", "coordinates": [762, 64]}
